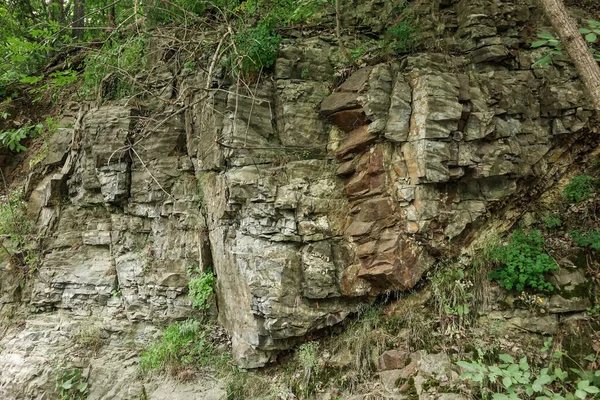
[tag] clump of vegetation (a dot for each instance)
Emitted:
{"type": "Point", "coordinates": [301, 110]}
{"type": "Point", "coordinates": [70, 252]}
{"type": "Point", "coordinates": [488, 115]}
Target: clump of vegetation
{"type": "Point", "coordinates": [552, 221]}
{"type": "Point", "coordinates": [512, 380]}
{"type": "Point", "coordinates": [590, 239]}
{"type": "Point", "coordinates": [114, 68]}
{"type": "Point", "coordinates": [523, 262]}
{"type": "Point", "coordinates": [579, 188]}
{"type": "Point", "coordinates": [71, 385]}
{"type": "Point", "coordinates": [201, 287]}
{"type": "Point", "coordinates": [184, 343]}
{"type": "Point", "coordinates": [89, 336]}
{"type": "Point", "coordinates": [307, 355]}
{"type": "Point", "coordinates": [554, 46]}
{"type": "Point", "coordinates": [453, 298]}
{"type": "Point", "coordinates": [401, 36]}
{"type": "Point", "coordinates": [243, 385]}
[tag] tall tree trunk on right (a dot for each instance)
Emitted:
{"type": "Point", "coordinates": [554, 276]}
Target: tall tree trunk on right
{"type": "Point", "coordinates": [78, 19]}
{"type": "Point", "coordinates": [576, 47]}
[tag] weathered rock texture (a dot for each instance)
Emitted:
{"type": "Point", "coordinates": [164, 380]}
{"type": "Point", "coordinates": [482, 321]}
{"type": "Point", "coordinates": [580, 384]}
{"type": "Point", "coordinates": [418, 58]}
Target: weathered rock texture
{"type": "Point", "coordinates": [305, 198]}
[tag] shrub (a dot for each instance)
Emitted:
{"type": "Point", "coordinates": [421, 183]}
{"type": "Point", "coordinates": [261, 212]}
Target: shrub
{"type": "Point", "coordinates": [590, 239]}
{"type": "Point", "coordinates": [523, 262]}
{"type": "Point", "coordinates": [579, 188]}
{"type": "Point", "coordinates": [201, 288]}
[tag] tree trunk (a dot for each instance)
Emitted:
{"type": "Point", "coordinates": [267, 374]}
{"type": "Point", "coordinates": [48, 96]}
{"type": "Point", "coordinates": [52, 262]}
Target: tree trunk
{"type": "Point", "coordinates": [576, 47]}
{"type": "Point", "coordinates": [78, 19]}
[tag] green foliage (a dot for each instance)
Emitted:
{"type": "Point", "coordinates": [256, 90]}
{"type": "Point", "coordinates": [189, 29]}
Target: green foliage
{"type": "Point", "coordinates": [201, 287]}
{"type": "Point", "coordinates": [453, 297]}
{"type": "Point", "coordinates": [11, 138]}
{"type": "Point", "coordinates": [401, 36]}
{"type": "Point", "coordinates": [523, 262]}
{"type": "Point", "coordinates": [579, 188]}
{"type": "Point", "coordinates": [552, 221]}
{"type": "Point", "coordinates": [183, 343]}
{"type": "Point", "coordinates": [257, 48]}
{"type": "Point", "coordinates": [123, 59]}
{"type": "Point", "coordinates": [593, 311]}
{"type": "Point", "coordinates": [71, 385]}
{"type": "Point", "coordinates": [554, 47]}
{"type": "Point", "coordinates": [590, 239]}
{"type": "Point", "coordinates": [13, 218]}
{"type": "Point", "coordinates": [513, 380]}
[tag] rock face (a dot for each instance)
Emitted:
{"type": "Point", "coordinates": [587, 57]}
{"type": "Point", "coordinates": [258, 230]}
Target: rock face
{"type": "Point", "coordinates": [306, 199]}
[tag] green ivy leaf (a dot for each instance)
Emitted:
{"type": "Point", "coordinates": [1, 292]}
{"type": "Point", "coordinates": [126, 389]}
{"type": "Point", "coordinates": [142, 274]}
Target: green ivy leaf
{"type": "Point", "coordinates": [591, 38]}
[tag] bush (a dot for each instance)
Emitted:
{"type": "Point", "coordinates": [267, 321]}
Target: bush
{"type": "Point", "coordinates": [579, 188]}
{"type": "Point", "coordinates": [201, 288]}
{"type": "Point", "coordinates": [523, 262]}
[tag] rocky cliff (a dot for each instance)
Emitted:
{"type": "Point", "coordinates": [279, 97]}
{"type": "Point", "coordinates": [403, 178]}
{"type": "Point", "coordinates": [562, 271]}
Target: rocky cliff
{"type": "Point", "coordinates": [308, 193]}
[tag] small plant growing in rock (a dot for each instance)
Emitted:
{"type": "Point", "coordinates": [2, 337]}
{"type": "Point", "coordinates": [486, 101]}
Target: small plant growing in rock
{"type": "Point", "coordinates": [579, 188]}
{"type": "Point", "coordinates": [71, 385]}
{"type": "Point", "coordinates": [89, 335]}
{"type": "Point", "coordinates": [307, 356]}
{"type": "Point", "coordinates": [184, 343]}
{"type": "Point", "coordinates": [514, 380]}
{"type": "Point", "coordinates": [590, 239]}
{"type": "Point", "coordinates": [552, 221]}
{"type": "Point", "coordinates": [201, 287]}
{"type": "Point", "coordinates": [522, 263]}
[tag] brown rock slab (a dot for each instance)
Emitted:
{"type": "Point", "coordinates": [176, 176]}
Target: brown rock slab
{"type": "Point", "coordinates": [339, 101]}
{"type": "Point", "coordinates": [357, 80]}
{"type": "Point", "coordinates": [348, 120]}
{"type": "Point", "coordinates": [356, 141]}
{"type": "Point", "coordinates": [392, 359]}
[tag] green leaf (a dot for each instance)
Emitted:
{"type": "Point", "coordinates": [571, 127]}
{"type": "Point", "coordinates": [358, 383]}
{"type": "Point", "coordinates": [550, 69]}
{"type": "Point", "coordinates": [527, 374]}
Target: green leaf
{"type": "Point", "coordinates": [580, 394]}
{"type": "Point", "coordinates": [466, 365]}
{"type": "Point", "coordinates": [523, 364]}
{"type": "Point", "coordinates": [67, 385]}
{"type": "Point", "coordinates": [592, 389]}
{"type": "Point", "coordinates": [500, 396]}
{"type": "Point", "coordinates": [507, 382]}
{"type": "Point", "coordinates": [557, 354]}
{"type": "Point", "coordinates": [583, 384]}
{"type": "Point", "coordinates": [506, 358]}
{"type": "Point", "coordinates": [584, 31]}
{"type": "Point", "coordinates": [538, 43]}
{"type": "Point", "coordinates": [591, 37]}
{"type": "Point", "coordinates": [82, 387]}
{"type": "Point", "coordinates": [545, 36]}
